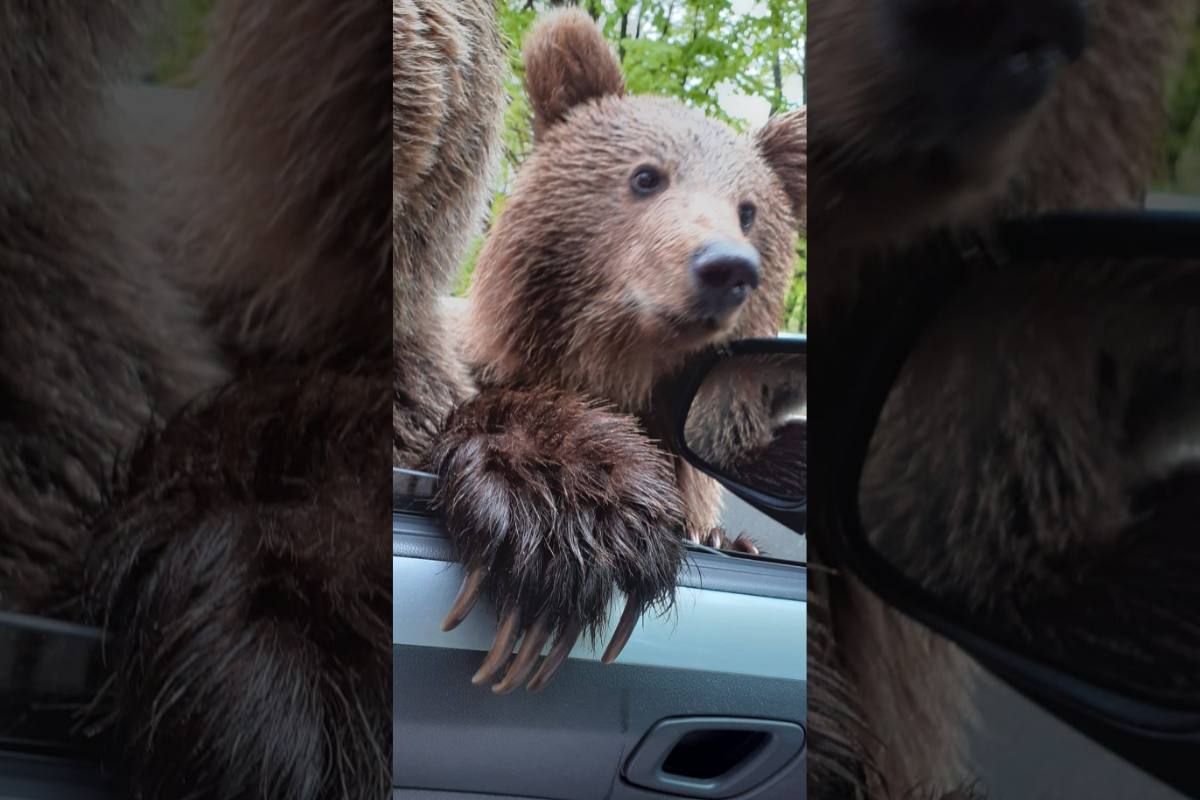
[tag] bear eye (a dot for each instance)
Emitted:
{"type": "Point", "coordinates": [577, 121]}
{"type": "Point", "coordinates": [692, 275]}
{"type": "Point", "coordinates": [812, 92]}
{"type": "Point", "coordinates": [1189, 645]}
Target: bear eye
{"type": "Point", "coordinates": [746, 212]}
{"type": "Point", "coordinates": [646, 181]}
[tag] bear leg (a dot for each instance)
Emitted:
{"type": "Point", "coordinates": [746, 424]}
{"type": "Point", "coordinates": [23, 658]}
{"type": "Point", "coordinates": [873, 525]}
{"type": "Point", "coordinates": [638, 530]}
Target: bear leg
{"type": "Point", "coordinates": [246, 594]}
{"type": "Point", "coordinates": [554, 502]}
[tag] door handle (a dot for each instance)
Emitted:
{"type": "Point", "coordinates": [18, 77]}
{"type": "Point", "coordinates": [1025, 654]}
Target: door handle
{"type": "Point", "coordinates": [712, 757]}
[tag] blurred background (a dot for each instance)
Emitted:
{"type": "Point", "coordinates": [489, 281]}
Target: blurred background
{"type": "Point", "coordinates": [175, 46]}
{"type": "Point", "coordinates": [1179, 171]}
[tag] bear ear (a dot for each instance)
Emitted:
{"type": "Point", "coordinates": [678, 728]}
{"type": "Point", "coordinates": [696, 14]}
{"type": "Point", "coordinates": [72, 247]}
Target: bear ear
{"type": "Point", "coordinates": [783, 142]}
{"type": "Point", "coordinates": [567, 62]}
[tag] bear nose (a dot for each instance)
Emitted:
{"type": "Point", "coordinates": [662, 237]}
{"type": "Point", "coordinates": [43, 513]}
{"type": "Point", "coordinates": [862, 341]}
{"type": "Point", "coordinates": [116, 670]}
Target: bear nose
{"type": "Point", "coordinates": [725, 273]}
{"type": "Point", "coordinates": [1003, 54]}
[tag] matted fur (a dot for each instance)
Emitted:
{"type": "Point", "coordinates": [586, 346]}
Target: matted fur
{"type": "Point", "coordinates": [96, 342]}
{"type": "Point", "coordinates": [582, 295]}
{"type": "Point", "coordinates": [278, 196]}
{"type": "Point", "coordinates": [235, 561]}
{"type": "Point", "coordinates": [784, 143]}
{"type": "Point", "coordinates": [559, 533]}
{"type": "Point", "coordinates": [447, 93]}
{"type": "Point", "coordinates": [1090, 143]}
{"type": "Point", "coordinates": [240, 570]}
{"type": "Point", "coordinates": [567, 69]}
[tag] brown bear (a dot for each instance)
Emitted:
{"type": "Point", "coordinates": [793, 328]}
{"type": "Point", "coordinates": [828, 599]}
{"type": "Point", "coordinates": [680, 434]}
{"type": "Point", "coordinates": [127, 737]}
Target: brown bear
{"type": "Point", "coordinates": [96, 339]}
{"type": "Point", "coordinates": [638, 234]}
{"type": "Point", "coordinates": [448, 64]}
{"type": "Point", "coordinates": [928, 116]}
{"type": "Point", "coordinates": [196, 365]}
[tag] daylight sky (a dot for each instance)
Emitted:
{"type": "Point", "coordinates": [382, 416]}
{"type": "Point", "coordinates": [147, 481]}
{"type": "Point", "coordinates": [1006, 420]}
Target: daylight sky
{"type": "Point", "coordinates": [755, 110]}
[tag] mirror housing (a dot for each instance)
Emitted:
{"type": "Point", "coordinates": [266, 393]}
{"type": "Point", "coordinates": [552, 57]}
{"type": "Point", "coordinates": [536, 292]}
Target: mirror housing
{"type": "Point", "coordinates": [785, 501]}
{"type": "Point", "coordinates": [858, 375]}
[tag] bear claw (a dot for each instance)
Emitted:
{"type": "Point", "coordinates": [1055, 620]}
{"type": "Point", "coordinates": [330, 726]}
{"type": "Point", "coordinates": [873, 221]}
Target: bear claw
{"type": "Point", "coordinates": [717, 538]}
{"type": "Point", "coordinates": [509, 630]}
{"type": "Point", "coordinates": [531, 648]}
{"type": "Point", "coordinates": [620, 637]}
{"type": "Point", "coordinates": [556, 657]}
{"type": "Point", "coordinates": [465, 600]}
{"type": "Point", "coordinates": [497, 657]}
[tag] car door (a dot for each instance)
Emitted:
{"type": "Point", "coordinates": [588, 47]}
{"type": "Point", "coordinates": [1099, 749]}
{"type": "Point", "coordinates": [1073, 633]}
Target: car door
{"type": "Point", "coordinates": [706, 701]}
{"type": "Point", "coordinates": [49, 673]}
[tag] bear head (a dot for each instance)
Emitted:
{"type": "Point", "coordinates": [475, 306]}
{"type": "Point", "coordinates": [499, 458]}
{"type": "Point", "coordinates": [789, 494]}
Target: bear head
{"type": "Point", "coordinates": [638, 230]}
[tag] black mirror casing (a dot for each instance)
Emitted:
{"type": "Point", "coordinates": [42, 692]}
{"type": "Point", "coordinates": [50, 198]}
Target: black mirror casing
{"type": "Point", "coordinates": [1162, 739]}
{"type": "Point", "coordinates": [792, 512]}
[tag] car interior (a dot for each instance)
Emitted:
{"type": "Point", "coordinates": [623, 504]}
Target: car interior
{"type": "Point", "coordinates": [50, 672]}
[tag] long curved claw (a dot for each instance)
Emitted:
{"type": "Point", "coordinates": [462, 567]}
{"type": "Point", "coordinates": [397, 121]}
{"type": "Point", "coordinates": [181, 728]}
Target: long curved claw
{"type": "Point", "coordinates": [531, 648]}
{"type": "Point", "coordinates": [629, 618]}
{"type": "Point", "coordinates": [715, 538]}
{"type": "Point", "coordinates": [467, 596]}
{"type": "Point", "coordinates": [556, 657]}
{"type": "Point", "coordinates": [745, 544]}
{"type": "Point", "coordinates": [502, 647]}
{"type": "Point", "coordinates": [693, 535]}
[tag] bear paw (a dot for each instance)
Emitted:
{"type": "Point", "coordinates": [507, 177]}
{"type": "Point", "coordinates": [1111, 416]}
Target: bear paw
{"type": "Point", "coordinates": [719, 539]}
{"type": "Point", "coordinates": [247, 594]}
{"type": "Point", "coordinates": [553, 503]}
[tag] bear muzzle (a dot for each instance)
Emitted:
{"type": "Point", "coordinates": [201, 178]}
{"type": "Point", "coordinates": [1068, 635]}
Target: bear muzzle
{"type": "Point", "coordinates": [724, 274]}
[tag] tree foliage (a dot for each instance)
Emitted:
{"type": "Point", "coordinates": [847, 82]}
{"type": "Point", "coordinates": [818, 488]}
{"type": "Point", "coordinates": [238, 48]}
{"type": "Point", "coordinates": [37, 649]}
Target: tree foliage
{"type": "Point", "coordinates": [178, 42]}
{"type": "Point", "coordinates": [1180, 171]}
{"type": "Point", "coordinates": [736, 60]}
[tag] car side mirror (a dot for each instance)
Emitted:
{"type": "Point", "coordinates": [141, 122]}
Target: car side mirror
{"type": "Point", "coordinates": [1094, 620]}
{"type": "Point", "coordinates": [742, 419]}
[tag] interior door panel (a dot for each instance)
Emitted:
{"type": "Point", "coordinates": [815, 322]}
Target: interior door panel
{"type": "Point", "coordinates": [26, 777]}
{"type": "Point", "coordinates": [725, 670]}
